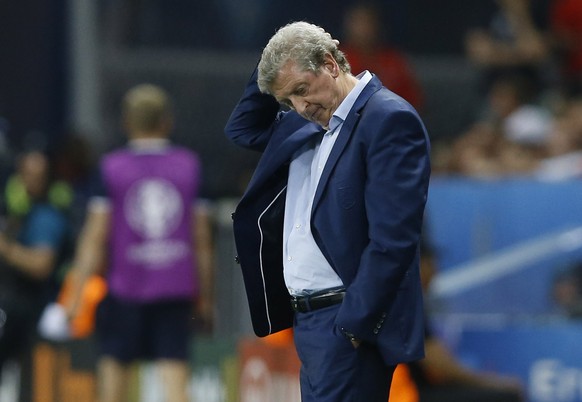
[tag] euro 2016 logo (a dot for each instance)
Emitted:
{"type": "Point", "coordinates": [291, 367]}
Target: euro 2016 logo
{"type": "Point", "coordinates": [153, 208]}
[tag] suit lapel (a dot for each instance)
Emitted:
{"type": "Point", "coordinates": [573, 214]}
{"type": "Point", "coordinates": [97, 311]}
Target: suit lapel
{"type": "Point", "coordinates": [344, 136]}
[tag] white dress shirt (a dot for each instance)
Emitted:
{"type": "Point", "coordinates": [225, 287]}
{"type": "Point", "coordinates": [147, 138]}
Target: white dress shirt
{"type": "Point", "coordinates": [305, 267]}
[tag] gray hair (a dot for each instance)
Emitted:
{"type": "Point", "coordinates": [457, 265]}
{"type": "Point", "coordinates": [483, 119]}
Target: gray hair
{"type": "Point", "coordinates": [302, 42]}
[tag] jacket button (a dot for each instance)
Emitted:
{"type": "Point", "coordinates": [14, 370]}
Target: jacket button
{"type": "Point", "coordinates": [376, 331]}
{"type": "Point", "coordinates": [236, 259]}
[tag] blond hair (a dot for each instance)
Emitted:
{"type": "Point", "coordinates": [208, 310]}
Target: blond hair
{"type": "Point", "coordinates": [146, 108]}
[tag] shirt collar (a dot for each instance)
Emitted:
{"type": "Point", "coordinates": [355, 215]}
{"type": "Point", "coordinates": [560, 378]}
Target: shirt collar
{"type": "Point", "coordinates": [341, 113]}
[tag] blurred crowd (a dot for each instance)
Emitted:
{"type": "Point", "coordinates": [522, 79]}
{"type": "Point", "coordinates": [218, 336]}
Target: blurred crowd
{"type": "Point", "coordinates": [529, 122]}
{"type": "Point", "coordinates": [528, 60]}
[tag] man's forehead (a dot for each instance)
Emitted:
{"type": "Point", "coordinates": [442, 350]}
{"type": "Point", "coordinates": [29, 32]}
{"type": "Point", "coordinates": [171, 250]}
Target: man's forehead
{"type": "Point", "coordinates": [289, 77]}
{"type": "Point", "coordinates": [287, 71]}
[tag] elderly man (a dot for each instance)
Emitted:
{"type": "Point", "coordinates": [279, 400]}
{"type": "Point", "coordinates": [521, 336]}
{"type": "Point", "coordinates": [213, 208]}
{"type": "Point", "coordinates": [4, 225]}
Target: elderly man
{"type": "Point", "coordinates": [328, 230]}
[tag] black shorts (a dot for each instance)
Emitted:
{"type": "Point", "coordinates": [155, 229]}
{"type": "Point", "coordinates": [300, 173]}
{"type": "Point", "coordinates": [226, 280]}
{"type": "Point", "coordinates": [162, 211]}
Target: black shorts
{"type": "Point", "coordinates": [129, 331]}
{"type": "Point", "coordinates": [19, 313]}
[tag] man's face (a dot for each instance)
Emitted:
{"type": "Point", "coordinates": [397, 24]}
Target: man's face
{"type": "Point", "coordinates": [314, 96]}
{"type": "Point", "coordinates": [34, 174]}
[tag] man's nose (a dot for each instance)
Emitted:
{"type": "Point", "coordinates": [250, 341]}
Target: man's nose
{"type": "Point", "coordinates": [299, 104]}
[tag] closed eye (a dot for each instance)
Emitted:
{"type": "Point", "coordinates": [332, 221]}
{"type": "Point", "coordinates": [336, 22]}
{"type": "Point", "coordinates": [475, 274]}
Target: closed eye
{"type": "Point", "coordinates": [301, 91]}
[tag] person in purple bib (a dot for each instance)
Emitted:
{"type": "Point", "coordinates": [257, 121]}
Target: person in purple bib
{"type": "Point", "coordinates": [146, 225]}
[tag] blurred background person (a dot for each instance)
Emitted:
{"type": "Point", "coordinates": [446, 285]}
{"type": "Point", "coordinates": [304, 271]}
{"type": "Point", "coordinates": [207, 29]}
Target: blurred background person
{"type": "Point", "coordinates": [566, 40]}
{"type": "Point", "coordinates": [512, 43]}
{"type": "Point", "coordinates": [563, 159]}
{"type": "Point", "coordinates": [33, 245]}
{"type": "Point", "coordinates": [367, 47]}
{"type": "Point", "coordinates": [146, 224]}
{"type": "Point", "coordinates": [566, 290]}
{"type": "Point", "coordinates": [474, 153]}
{"type": "Point", "coordinates": [75, 168]}
{"type": "Point", "coordinates": [510, 136]}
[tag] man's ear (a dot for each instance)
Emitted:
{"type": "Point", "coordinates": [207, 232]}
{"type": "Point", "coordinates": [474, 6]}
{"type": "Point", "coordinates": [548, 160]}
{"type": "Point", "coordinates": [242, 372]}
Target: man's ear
{"type": "Point", "coordinates": [330, 65]}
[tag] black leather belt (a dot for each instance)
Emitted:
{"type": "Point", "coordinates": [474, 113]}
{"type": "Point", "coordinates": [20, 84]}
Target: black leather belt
{"type": "Point", "coordinates": [303, 304]}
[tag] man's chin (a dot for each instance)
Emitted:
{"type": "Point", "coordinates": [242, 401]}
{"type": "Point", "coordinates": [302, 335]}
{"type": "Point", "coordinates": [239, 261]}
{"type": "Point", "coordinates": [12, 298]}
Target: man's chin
{"type": "Point", "coordinates": [322, 123]}
{"type": "Point", "coordinates": [319, 117]}
{"type": "Point", "coordinates": [318, 122]}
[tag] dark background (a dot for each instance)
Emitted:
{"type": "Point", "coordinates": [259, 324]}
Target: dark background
{"type": "Point", "coordinates": [35, 51]}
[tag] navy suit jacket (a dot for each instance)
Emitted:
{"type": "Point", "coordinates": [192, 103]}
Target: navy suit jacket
{"type": "Point", "coordinates": [366, 218]}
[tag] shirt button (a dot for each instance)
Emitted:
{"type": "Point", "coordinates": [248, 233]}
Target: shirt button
{"type": "Point", "coordinates": [289, 258]}
{"type": "Point", "coordinates": [297, 226]}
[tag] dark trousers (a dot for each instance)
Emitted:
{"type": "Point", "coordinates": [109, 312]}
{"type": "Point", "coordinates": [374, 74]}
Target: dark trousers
{"type": "Point", "coordinates": [332, 370]}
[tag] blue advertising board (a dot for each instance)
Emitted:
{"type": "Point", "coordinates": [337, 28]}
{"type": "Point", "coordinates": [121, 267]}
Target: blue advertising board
{"type": "Point", "coordinates": [501, 245]}
{"type": "Point", "coordinates": [547, 357]}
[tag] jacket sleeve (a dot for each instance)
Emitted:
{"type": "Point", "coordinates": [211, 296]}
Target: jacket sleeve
{"type": "Point", "coordinates": [251, 123]}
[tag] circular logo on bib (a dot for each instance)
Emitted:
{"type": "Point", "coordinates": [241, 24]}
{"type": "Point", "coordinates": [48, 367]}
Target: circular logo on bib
{"type": "Point", "coordinates": [153, 208]}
